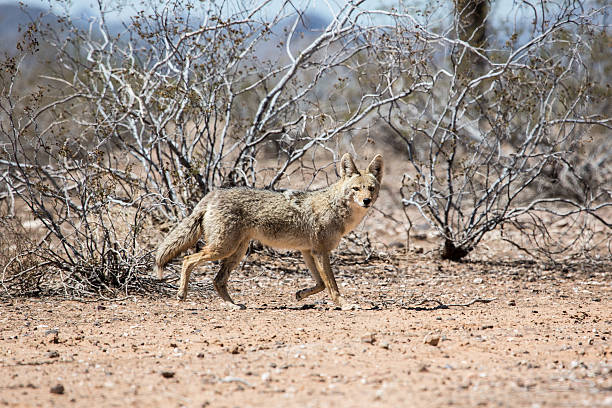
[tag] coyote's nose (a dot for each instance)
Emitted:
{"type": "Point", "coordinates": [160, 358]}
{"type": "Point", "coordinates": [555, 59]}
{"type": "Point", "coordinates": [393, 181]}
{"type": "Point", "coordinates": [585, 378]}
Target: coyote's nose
{"type": "Point", "coordinates": [367, 202]}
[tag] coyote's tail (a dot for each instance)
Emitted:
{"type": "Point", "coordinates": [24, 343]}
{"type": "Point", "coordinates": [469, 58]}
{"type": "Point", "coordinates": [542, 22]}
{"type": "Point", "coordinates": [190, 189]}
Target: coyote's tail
{"type": "Point", "coordinates": [181, 238]}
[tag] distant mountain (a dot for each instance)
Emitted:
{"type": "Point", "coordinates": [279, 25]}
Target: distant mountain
{"type": "Point", "coordinates": [12, 17]}
{"type": "Point", "coordinates": [309, 22]}
{"type": "Point", "coordinates": [15, 18]}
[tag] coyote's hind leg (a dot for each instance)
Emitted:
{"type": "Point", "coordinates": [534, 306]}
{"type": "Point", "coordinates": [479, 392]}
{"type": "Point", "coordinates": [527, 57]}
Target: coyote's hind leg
{"type": "Point", "coordinates": [227, 265]}
{"type": "Point", "coordinates": [208, 253]}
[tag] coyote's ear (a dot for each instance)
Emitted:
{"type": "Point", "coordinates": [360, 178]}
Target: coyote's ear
{"type": "Point", "coordinates": [347, 166]}
{"type": "Point", "coordinates": [375, 167]}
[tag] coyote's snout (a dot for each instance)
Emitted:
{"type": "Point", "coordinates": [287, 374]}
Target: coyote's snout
{"type": "Point", "coordinates": [312, 222]}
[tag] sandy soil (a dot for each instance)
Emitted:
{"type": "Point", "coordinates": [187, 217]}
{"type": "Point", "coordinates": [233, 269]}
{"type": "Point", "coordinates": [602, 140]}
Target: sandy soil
{"type": "Point", "coordinates": [542, 339]}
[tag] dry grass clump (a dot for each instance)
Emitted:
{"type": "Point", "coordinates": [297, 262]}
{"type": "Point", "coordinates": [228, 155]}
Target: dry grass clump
{"type": "Point", "coordinates": [21, 269]}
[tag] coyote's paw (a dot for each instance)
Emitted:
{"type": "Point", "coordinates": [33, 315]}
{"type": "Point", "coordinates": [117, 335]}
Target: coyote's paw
{"type": "Point", "coordinates": [342, 304]}
{"type": "Point", "coordinates": [299, 295]}
{"type": "Point", "coordinates": [233, 306]}
{"type": "Point", "coordinates": [350, 306]}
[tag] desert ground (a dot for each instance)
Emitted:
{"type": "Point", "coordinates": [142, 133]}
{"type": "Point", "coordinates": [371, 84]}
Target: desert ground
{"type": "Point", "coordinates": [429, 333]}
{"type": "Point", "coordinates": [495, 330]}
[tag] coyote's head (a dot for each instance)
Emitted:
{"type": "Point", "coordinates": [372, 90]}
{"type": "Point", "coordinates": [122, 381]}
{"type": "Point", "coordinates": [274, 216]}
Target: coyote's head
{"type": "Point", "coordinates": [361, 187]}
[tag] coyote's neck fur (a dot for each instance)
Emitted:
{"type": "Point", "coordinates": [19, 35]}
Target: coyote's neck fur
{"type": "Point", "coordinates": [337, 204]}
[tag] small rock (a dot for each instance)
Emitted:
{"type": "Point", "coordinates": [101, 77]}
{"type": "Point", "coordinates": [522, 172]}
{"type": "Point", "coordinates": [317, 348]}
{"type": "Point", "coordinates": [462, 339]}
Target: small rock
{"type": "Point", "coordinates": [385, 345]}
{"type": "Point", "coordinates": [167, 374]}
{"type": "Point", "coordinates": [432, 339]}
{"type": "Point", "coordinates": [369, 338]}
{"type": "Point", "coordinates": [478, 280]}
{"type": "Point", "coordinates": [512, 302]}
{"type": "Point", "coordinates": [265, 377]}
{"type": "Point", "coordinates": [52, 336]}
{"type": "Point", "coordinates": [57, 389]}
{"type": "Point", "coordinates": [200, 355]}
{"type": "Point", "coordinates": [53, 354]}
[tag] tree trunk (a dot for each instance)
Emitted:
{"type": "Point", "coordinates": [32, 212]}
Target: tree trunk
{"type": "Point", "coordinates": [471, 28]}
{"type": "Point", "coordinates": [451, 252]}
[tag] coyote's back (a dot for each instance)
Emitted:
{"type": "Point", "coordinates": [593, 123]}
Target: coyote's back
{"type": "Point", "coordinates": [312, 222]}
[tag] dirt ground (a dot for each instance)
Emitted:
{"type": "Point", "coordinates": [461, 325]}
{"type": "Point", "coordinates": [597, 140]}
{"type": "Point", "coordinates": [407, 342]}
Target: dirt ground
{"type": "Point", "coordinates": [429, 333]}
{"type": "Point", "coordinates": [494, 331]}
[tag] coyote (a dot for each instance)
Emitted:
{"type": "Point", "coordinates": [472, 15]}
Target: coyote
{"type": "Point", "coordinates": [312, 222]}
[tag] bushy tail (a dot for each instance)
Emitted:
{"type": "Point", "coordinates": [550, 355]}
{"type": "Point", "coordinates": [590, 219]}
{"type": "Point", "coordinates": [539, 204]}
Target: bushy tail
{"type": "Point", "coordinates": [182, 237]}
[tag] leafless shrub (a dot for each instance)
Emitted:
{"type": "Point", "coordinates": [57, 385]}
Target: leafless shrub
{"type": "Point", "coordinates": [502, 143]}
{"type": "Point", "coordinates": [130, 127]}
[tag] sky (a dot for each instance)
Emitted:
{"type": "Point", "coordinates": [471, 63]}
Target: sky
{"type": "Point", "coordinates": [500, 9]}
{"type": "Point", "coordinates": [322, 7]}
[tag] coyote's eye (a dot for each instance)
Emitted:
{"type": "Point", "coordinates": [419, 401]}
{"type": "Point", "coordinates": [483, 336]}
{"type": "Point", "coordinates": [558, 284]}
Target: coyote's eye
{"type": "Point", "coordinates": [356, 188]}
{"type": "Point", "coordinates": [370, 188]}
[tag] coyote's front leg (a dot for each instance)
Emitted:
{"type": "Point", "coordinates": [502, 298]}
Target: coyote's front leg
{"type": "Point", "coordinates": [327, 275]}
{"type": "Point", "coordinates": [312, 267]}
